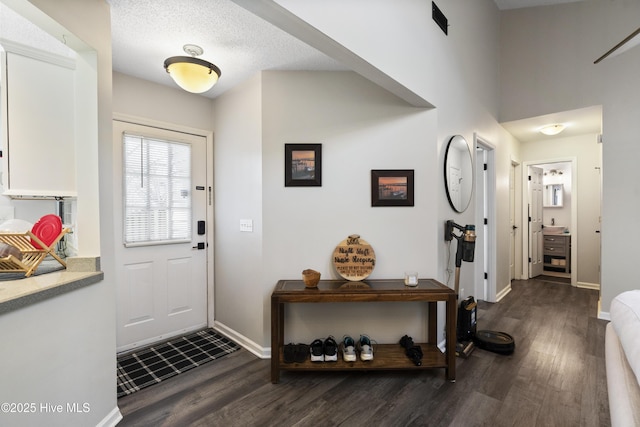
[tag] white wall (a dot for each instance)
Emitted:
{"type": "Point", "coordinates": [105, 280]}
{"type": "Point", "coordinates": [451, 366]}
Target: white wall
{"type": "Point", "coordinates": [554, 71]}
{"type": "Point", "coordinates": [458, 73]}
{"type": "Point", "coordinates": [361, 127]}
{"type": "Point", "coordinates": [357, 125]}
{"type": "Point", "coordinates": [151, 101]}
{"type": "Point", "coordinates": [238, 160]}
{"type": "Point", "coordinates": [62, 350]}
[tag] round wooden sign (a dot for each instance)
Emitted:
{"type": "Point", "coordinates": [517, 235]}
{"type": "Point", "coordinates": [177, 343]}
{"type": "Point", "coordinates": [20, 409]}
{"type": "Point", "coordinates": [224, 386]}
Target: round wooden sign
{"type": "Point", "coordinates": [354, 258]}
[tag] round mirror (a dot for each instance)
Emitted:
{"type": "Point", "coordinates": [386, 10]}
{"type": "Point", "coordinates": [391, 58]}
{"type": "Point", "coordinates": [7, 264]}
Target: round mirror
{"type": "Point", "coordinates": [458, 173]}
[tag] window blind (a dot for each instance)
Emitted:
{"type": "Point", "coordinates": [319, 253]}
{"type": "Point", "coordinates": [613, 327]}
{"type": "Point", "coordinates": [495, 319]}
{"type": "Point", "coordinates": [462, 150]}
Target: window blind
{"type": "Point", "coordinates": [157, 196]}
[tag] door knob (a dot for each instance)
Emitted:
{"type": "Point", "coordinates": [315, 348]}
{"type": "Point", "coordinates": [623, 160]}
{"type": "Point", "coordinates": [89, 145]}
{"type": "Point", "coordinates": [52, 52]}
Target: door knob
{"type": "Point", "coordinates": [199, 246]}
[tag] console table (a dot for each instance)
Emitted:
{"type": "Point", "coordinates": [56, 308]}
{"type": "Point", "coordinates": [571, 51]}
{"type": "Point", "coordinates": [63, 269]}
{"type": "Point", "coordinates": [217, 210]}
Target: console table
{"type": "Point", "coordinates": [387, 356]}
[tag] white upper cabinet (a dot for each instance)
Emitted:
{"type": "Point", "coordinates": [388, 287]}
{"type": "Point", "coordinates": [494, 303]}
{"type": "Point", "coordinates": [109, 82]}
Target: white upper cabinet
{"type": "Point", "coordinates": [38, 123]}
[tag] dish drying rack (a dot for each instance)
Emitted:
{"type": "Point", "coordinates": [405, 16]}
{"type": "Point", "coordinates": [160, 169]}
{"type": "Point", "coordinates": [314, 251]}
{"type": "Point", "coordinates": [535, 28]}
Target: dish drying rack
{"type": "Point", "coordinates": [32, 256]}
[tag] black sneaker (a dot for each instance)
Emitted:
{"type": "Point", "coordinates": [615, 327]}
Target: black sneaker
{"type": "Point", "coordinates": [330, 350]}
{"type": "Point", "coordinates": [300, 353]}
{"type": "Point", "coordinates": [317, 351]}
{"type": "Point", "coordinates": [289, 351]}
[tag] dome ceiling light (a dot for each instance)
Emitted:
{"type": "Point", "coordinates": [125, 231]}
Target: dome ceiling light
{"type": "Point", "coordinates": [192, 74]}
{"type": "Point", "coordinates": [552, 129]}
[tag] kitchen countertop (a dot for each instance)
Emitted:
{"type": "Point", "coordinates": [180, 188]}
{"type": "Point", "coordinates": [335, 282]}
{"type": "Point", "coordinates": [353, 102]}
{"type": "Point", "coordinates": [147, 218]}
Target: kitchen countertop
{"type": "Point", "coordinates": [16, 294]}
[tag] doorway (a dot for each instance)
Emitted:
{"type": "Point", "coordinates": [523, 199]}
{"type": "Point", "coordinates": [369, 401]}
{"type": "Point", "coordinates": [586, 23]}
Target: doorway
{"type": "Point", "coordinates": [161, 213]}
{"type": "Point", "coordinates": [579, 144]}
{"type": "Point", "coordinates": [485, 183]}
{"type": "Point", "coordinates": [515, 237]}
{"type": "Point", "coordinates": [551, 215]}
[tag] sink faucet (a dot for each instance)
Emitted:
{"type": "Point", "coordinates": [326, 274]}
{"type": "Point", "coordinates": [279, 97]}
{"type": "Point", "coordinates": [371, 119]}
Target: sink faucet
{"type": "Point", "coordinates": [553, 221]}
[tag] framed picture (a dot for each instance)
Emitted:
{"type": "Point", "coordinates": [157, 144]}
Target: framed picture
{"type": "Point", "coordinates": [303, 165]}
{"type": "Point", "coordinates": [392, 187]}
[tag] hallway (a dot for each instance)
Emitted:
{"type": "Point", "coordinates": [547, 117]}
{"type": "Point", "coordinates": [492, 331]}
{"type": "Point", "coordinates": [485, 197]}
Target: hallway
{"type": "Point", "coordinates": [555, 377]}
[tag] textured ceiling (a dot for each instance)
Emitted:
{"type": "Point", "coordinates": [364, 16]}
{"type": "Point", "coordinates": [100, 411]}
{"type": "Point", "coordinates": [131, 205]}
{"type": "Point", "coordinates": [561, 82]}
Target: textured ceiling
{"type": "Point", "coordinates": [146, 32]}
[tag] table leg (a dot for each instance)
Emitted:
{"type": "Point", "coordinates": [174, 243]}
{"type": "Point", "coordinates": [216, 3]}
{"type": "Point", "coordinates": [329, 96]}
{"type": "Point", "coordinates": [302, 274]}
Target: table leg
{"type": "Point", "coordinates": [432, 337]}
{"type": "Point", "coordinates": [277, 338]}
{"type": "Point", "coordinates": [451, 338]}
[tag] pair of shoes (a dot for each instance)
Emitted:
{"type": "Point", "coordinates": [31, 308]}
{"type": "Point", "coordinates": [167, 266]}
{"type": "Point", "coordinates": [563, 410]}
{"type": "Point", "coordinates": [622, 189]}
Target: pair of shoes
{"type": "Point", "coordinates": [365, 348]}
{"type": "Point", "coordinates": [295, 353]}
{"type": "Point", "coordinates": [413, 352]}
{"type": "Point", "coordinates": [324, 351]}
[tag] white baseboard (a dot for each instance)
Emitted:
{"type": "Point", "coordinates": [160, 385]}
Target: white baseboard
{"type": "Point", "coordinates": [587, 285]}
{"type": "Point", "coordinates": [261, 352]}
{"type": "Point", "coordinates": [113, 418]}
{"type": "Point", "coordinates": [603, 315]}
{"type": "Point", "coordinates": [503, 293]}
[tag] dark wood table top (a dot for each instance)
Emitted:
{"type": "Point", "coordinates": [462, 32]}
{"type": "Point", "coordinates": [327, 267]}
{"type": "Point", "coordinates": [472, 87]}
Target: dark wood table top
{"type": "Point", "coordinates": [365, 290]}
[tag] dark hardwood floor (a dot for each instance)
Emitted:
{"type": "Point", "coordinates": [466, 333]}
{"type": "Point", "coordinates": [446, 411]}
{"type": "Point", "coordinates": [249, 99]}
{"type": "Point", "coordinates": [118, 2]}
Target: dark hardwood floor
{"type": "Point", "coordinates": [556, 377]}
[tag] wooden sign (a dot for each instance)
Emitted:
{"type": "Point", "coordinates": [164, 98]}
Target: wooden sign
{"type": "Point", "coordinates": [354, 258]}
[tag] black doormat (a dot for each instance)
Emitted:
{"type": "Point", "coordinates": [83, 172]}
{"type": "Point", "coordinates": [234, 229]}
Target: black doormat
{"type": "Point", "coordinates": [156, 363]}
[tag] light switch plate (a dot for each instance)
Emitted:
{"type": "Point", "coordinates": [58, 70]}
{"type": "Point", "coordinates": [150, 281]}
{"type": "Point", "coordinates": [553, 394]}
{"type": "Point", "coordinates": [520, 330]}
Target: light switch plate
{"type": "Point", "coordinates": [246, 225]}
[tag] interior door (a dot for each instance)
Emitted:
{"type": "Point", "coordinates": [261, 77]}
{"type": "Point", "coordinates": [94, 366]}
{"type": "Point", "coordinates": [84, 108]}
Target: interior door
{"type": "Point", "coordinates": [482, 226]}
{"type": "Point", "coordinates": [161, 282]}
{"type": "Point", "coordinates": [536, 246]}
{"type": "Point", "coordinates": [512, 222]}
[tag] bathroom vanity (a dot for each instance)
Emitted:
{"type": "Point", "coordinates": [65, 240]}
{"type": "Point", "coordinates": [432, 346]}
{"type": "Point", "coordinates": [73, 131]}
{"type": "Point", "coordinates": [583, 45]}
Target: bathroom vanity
{"type": "Point", "coordinates": [557, 252]}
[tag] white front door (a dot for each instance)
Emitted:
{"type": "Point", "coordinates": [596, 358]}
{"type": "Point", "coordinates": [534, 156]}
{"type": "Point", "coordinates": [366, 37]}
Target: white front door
{"type": "Point", "coordinates": [536, 246]}
{"type": "Point", "coordinates": [161, 249]}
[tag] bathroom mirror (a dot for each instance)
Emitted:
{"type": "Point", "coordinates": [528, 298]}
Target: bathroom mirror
{"type": "Point", "coordinates": [458, 173]}
{"type": "Point", "coordinates": [553, 196]}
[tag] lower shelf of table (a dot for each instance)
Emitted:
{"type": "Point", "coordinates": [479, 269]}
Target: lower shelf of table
{"type": "Point", "coordinates": [386, 357]}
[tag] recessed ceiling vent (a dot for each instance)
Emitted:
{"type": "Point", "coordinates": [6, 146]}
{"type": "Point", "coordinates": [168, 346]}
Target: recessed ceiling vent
{"type": "Point", "coordinates": [439, 17]}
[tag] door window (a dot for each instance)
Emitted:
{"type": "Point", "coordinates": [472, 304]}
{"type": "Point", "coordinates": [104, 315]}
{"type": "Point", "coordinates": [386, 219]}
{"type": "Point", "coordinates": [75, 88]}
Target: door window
{"type": "Point", "coordinates": [157, 196]}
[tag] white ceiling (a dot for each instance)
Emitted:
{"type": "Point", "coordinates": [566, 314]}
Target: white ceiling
{"type": "Point", "coordinates": [578, 122]}
{"type": "Point", "coordinates": [146, 32]}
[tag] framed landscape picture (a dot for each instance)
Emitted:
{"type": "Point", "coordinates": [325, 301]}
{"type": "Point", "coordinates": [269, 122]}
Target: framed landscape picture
{"type": "Point", "coordinates": [303, 165]}
{"type": "Point", "coordinates": [392, 187]}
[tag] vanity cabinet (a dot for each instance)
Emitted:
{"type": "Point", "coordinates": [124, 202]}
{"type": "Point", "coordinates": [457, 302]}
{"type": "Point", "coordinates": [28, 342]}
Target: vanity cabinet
{"type": "Point", "coordinates": [38, 142]}
{"type": "Point", "coordinates": [557, 252]}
